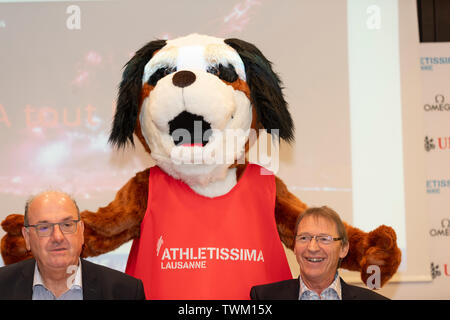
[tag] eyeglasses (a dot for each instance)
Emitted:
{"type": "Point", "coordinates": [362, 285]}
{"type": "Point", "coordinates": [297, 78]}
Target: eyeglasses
{"type": "Point", "coordinates": [46, 229]}
{"type": "Point", "coordinates": [320, 238]}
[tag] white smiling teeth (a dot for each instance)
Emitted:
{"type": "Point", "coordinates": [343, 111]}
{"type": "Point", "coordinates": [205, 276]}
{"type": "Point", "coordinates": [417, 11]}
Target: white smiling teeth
{"type": "Point", "coordinates": [315, 259]}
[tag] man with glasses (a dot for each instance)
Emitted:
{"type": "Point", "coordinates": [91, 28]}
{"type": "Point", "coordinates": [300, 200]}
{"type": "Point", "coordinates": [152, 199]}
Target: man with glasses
{"type": "Point", "coordinates": [321, 243]}
{"type": "Point", "coordinates": [53, 232]}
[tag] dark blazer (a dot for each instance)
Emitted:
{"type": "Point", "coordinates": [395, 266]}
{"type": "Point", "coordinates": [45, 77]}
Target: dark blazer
{"type": "Point", "coordinates": [290, 289]}
{"type": "Point", "coordinates": [98, 282]}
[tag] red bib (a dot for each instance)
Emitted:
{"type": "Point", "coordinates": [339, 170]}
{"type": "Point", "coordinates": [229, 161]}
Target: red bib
{"type": "Point", "coordinates": [194, 247]}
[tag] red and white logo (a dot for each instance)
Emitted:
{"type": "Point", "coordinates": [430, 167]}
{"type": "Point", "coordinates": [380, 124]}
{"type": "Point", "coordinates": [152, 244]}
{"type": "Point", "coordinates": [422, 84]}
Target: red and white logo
{"type": "Point", "coordinates": [199, 257]}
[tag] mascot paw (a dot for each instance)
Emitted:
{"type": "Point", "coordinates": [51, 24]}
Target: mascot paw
{"type": "Point", "coordinates": [13, 224]}
{"type": "Point", "coordinates": [13, 244]}
{"type": "Point", "coordinates": [381, 258]}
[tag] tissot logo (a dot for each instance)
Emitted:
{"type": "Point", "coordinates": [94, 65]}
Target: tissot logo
{"type": "Point", "coordinates": [426, 63]}
{"type": "Point", "coordinates": [434, 186]}
{"type": "Point", "coordinates": [443, 231]}
{"type": "Point", "coordinates": [439, 104]}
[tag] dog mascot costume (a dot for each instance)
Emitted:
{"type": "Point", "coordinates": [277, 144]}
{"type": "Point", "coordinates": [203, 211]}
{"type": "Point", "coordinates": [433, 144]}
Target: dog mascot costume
{"type": "Point", "coordinates": [204, 229]}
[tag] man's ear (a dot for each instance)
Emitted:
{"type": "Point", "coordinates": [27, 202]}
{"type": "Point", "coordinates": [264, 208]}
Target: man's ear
{"type": "Point", "coordinates": [26, 236]}
{"type": "Point", "coordinates": [130, 93]}
{"type": "Point", "coordinates": [344, 250]}
{"type": "Point", "coordinates": [82, 230]}
{"type": "Point", "coordinates": [265, 90]}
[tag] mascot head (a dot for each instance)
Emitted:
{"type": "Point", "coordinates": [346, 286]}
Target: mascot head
{"type": "Point", "coordinates": [193, 101]}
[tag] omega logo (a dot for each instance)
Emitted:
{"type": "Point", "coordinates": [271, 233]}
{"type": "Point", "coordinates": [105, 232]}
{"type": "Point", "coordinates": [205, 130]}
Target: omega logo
{"type": "Point", "coordinates": [445, 231]}
{"type": "Point", "coordinates": [439, 105]}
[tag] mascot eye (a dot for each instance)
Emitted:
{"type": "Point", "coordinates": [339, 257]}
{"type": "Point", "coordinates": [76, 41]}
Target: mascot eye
{"type": "Point", "coordinates": [227, 73]}
{"type": "Point", "coordinates": [159, 74]}
{"type": "Point", "coordinates": [213, 70]}
{"type": "Point", "coordinates": [168, 71]}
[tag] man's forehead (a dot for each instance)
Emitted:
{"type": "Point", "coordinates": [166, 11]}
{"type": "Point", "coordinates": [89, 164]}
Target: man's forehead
{"type": "Point", "coordinates": [317, 222]}
{"type": "Point", "coordinates": [52, 201]}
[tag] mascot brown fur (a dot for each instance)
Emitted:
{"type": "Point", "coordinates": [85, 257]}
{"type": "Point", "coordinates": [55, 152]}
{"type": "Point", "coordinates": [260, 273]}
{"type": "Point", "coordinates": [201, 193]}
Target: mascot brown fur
{"type": "Point", "coordinates": [231, 73]}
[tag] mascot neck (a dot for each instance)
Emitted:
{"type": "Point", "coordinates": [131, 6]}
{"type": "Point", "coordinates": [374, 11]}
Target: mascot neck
{"type": "Point", "coordinates": [218, 187]}
{"type": "Point", "coordinates": [208, 181]}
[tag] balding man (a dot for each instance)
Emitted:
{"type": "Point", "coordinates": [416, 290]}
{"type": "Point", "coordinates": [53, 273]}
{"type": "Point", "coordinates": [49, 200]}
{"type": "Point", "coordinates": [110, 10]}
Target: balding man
{"type": "Point", "coordinates": [53, 232]}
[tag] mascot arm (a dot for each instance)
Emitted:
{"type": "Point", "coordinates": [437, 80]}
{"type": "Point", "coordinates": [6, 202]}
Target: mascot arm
{"type": "Point", "coordinates": [104, 230]}
{"type": "Point", "coordinates": [378, 247]}
{"type": "Point", "coordinates": [13, 244]}
{"type": "Point", "coordinates": [118, 222]}
{"type": "Point", "coordinates": [287, 209]}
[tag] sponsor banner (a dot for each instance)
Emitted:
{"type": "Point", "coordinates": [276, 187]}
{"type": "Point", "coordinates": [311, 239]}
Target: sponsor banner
{"type": "Point", "coordinates": [435, 72]}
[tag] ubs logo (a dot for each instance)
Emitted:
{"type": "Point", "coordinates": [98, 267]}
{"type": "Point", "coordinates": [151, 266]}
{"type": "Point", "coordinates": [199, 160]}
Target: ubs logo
{"type": "Point", "coordinates": [436, 271]}
{"type": "Point", "coordinates": [429, 144]}
{"type": "Point", "coordinates": [438, 105]}
{"type": "Point", "coordinates": [441, 144]}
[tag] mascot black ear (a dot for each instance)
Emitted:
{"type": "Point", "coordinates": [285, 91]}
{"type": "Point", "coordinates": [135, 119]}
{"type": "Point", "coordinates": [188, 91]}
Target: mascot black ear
{"type": "Point", "coordinates": [265, 90]}
{"type": "Point", "coordinates": [127, 108]}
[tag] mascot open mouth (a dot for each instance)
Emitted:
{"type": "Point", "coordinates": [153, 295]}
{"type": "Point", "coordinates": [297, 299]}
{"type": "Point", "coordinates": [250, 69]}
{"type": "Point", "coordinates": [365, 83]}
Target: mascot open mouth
{"type": "Point", "coordinates": [188, 129]}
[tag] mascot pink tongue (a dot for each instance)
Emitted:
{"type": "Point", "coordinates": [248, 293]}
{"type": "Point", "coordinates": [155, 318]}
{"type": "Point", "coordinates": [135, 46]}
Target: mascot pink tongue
{"type": "Point", "coordinates": [237, 241]}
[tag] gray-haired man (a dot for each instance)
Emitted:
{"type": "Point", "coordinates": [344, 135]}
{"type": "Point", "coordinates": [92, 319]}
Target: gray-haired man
{"type": "Point", "coordinates": [321, 243]}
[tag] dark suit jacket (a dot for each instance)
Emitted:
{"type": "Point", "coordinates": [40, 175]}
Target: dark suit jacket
{"type": "Point", "coordinates": [290, 289]}
{"type": "Point", "coordinates": [98, 282]}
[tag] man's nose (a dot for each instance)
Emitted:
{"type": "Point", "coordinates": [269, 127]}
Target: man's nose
{"type": "Point", "coordinates": [57, 234]}
{"type": "Point", "coordinates": [313, 245]}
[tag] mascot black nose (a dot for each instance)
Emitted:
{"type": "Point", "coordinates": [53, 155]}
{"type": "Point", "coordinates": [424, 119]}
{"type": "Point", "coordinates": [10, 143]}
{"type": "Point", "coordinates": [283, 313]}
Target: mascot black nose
{"type": "Point", "coordinates": [183, 78]}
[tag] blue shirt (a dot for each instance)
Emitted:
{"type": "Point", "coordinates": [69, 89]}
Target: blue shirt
{"type": "Point", "coordinates": [75, 292]}
{"type": "Point", "coordinates": [332, 292]}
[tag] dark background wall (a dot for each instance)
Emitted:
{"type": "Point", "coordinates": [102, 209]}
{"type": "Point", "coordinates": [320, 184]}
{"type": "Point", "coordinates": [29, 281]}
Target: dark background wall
{"type": "Point", "coordinates": [434, 20]}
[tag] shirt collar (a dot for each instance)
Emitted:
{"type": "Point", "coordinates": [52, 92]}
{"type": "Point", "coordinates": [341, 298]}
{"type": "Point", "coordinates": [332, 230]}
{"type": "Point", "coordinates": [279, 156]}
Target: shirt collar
{"type": "Point", "coordinates": [37, 280]}
{"type": "Point", "coordinates": [335, 285]}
